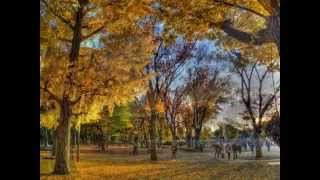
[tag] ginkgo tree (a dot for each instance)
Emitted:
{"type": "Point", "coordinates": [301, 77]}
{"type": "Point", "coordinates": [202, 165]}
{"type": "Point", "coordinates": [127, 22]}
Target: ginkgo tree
{"type": "Point", "coordinates": [107, 75]}
{"type": "Point", "coordinates": [254, 22]}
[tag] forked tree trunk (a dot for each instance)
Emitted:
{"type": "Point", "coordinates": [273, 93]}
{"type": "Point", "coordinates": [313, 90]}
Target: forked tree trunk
{"type": "Point", "coordinates": [62, 164]}
{"type": "Point", "coordinates": [152, 131]}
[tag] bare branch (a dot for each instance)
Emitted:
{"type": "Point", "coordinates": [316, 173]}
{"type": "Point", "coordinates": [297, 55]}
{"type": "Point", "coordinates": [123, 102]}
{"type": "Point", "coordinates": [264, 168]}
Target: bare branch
{"type": "Point", "coordinates": [268, 103]}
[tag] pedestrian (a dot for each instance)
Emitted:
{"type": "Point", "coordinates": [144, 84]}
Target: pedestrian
{"type": "Point", "coordinates": [268, 144]}
{"type": "Point", "coordinates": [228, 149]}
{"type": "Point", "coordinates": [251, 145]}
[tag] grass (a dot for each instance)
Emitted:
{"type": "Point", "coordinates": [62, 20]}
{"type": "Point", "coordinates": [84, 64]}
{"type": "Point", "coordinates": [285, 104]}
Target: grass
{"type": "Point", "coordinates": [187, 166]}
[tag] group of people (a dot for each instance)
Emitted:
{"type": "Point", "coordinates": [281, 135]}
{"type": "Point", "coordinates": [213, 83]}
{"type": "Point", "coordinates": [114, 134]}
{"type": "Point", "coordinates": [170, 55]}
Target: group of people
{"type": "Point", "coordinates": [227, 148]}
{"type": "Point", "coordinates": [245, 143]}
{"type": "Point", "coordinates": [223, 149]}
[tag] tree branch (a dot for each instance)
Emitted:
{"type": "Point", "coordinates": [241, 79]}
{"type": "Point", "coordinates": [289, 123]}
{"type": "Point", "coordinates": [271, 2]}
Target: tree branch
{"type": "Point", "coordinates": [61, 18]}
{"type": "Point", "coordinates": [93, 33]}
{"type": "Point", "coordinates": [56, 98]}
{"type": "Point", "coordinates": [266, 106]}
{"type": "Point", "coordinates": [245, 37]}
{"type": "Point", "coordinates": [80, 113]}
{"type": "Point", "coordinates": [240, 7]}
{"type": "Point", "coordinates": [73, 102]}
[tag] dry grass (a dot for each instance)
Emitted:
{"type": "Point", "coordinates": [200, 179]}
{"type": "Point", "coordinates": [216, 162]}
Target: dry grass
{"type": "Point", "coordinates": [187, 166]}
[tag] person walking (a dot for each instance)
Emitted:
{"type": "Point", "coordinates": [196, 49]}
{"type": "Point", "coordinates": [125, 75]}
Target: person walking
{"type": "Point", "coordinates": [251, 145]}
{"type": "Point", "coordinates": [268, 144]}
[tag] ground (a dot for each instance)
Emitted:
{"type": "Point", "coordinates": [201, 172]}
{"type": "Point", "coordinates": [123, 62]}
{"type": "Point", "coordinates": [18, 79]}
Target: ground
{"type": "Point", "coordinates": [118, 164]}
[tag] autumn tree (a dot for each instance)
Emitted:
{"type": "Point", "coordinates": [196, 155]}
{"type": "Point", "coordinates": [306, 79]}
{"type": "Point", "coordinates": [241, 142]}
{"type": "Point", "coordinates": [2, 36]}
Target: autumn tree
{"type": "Point", "coordinates": [256, 94]}
{"type": "Point", "coordinates": [187, 121]}
{"type": "Point", "coordinates": [207, 91]}
{"type": "Point", "coordinates": [172, 102]}
{"type": "Point", "coordinates": [69, 70]}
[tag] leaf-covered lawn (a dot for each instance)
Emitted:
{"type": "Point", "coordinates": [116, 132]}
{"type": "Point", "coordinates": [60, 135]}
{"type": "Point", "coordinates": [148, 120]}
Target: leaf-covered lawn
{"type": "Point", "coordinates": [187, 166]}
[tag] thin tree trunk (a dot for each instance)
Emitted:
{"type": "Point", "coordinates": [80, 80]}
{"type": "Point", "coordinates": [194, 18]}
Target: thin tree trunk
{"type": "Point", "coordinates": [73, 142]}
{"type": "Point", "coordinates": [152, 129]}
{"type": "Point", "coordinates": [174, 147]}
{"type": "Point", "coordinates": [46, 138]}
{"type": "Point", "coordinates": [189, 139]}
{"type": "Point", "coordinates": [197, 138]}
{"type": "Point", "coordinates": [146, 140]}
{"type": "Point", "coordinates": [78, 144]}
{"type": "Point", "coordinates": [160, 132]}
{"type": "Point", "coordinates": [135, 144]}
{"type": "Point", "coordinates": [53, 150]}
{"type": "Point", "coordinates": [62, 164]}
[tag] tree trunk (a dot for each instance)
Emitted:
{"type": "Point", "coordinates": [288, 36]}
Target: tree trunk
{"type": "Point", "coordinates": [189, 139]}
{"type": "Point", "coordinates": [152, 129]}
{"type": "Point", "coordinates": [258, 145]}
{"type": "Point", "coordinates": [197, 138]}
{"type": "Point", "coordinates": [174, 147]}
{"type": "Point", "coordinates": [78, 144]}
{"type": "Point", "coordinates": [62, 164]}
{"type": "Point", "coordinates": [46, 136]}
{"type": "Point", "coordinates": [53, 150]}
{"type": "Point", "coordinates": [146, 140]}
{"type": "Point", "coordinates": [160, 132]}
{"type": "Point", "coordinates": [135, 144]}
{"type": "Point", "coordinates": [73, 142]}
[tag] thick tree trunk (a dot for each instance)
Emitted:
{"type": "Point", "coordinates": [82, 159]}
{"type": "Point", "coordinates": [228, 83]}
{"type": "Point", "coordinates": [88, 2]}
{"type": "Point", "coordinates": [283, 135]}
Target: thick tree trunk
{"type": "Point", "coordinates": [258, 145]}
{"type": "Point", "coordinates": [152, 132]}
{"type": "Point", "coordinates": [62, 164]}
